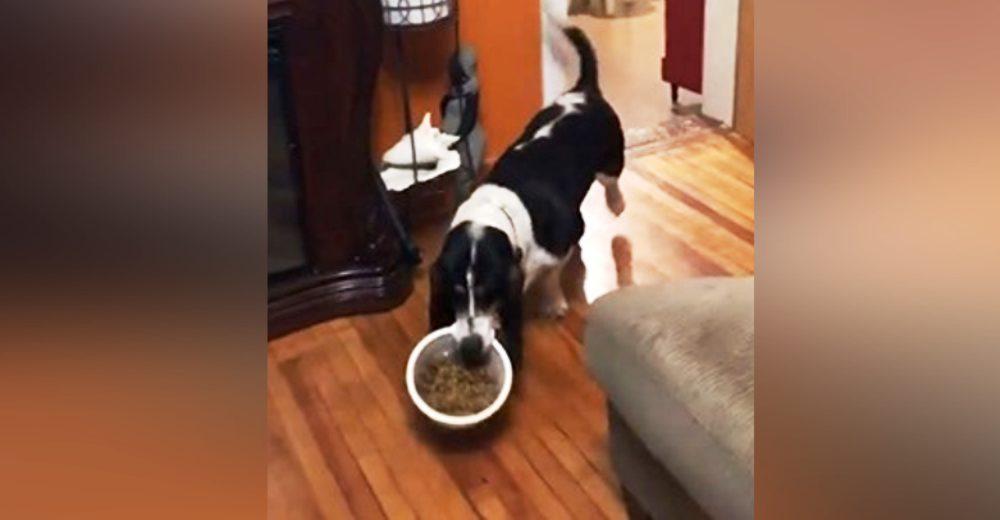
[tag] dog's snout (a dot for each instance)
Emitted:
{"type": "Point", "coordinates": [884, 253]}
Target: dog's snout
{"type": "Point", "coordinates": [471, 349]}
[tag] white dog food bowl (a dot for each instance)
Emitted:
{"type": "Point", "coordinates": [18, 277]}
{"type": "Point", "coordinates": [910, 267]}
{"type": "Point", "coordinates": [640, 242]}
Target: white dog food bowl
{"type": "Point", "coordinates": [442, 344]}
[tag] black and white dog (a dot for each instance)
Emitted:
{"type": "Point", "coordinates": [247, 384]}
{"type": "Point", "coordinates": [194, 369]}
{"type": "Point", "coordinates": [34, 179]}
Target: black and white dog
{"type": "Point", "coordinates": [521, 224]}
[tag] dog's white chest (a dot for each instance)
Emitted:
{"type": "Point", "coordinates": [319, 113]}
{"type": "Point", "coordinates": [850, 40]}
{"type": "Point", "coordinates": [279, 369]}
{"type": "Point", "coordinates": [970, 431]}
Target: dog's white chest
{"type": "Point", "coordinates": [501, 208]}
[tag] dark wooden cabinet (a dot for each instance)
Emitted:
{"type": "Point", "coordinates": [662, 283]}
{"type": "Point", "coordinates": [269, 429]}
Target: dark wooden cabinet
{"type": "Point", "coordinates": [353, 260]}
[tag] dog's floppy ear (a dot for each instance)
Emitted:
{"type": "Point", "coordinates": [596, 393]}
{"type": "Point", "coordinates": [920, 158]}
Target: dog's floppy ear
{"type": "Point", "coordinates": [511, 314]}
{"type": "Point", "coordinates": [515, 277]}
{"type": "Point", "coordinates": [441, 310]}
{"type": "Point", "coordinates": [518, 255]}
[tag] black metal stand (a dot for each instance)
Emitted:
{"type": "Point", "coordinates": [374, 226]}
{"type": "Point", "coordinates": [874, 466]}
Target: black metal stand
{"type": "Point", "coordinates": [411, 248]}
{"type": "Point", "coordinates": [398, 30]}
{"type": "Point", "coordinates": [461, 107]}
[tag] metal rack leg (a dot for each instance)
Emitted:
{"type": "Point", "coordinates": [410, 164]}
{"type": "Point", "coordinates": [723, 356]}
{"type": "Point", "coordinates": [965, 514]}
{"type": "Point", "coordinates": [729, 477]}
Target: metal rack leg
{"type": "Point", "coordinates": [410, 249]}
{"type": "Point", "coordinates": [404, 89]}
{"type": "Point", "coordinates": [459, 191]}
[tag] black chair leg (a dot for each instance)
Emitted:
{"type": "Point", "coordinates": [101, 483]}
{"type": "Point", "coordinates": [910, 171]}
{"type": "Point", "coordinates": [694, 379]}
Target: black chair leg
{"type": "Point", "coordinates": [675, 92]}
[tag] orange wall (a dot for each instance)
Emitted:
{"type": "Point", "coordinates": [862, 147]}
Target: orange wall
{"type": "Point", "coordinates": [506, 35]}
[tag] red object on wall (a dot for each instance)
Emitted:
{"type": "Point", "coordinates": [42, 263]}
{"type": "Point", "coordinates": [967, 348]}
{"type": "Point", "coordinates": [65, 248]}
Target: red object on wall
{"type": "Point", "coordinates": [682, 61]}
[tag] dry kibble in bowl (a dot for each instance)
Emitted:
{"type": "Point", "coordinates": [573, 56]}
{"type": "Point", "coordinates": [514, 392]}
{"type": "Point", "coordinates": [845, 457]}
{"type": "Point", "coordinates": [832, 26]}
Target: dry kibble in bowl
{"type": "Point", "coordinates": [452, 388]}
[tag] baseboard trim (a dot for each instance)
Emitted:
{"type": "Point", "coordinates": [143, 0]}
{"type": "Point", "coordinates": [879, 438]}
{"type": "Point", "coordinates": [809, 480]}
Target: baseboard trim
{"type": "Point", "coordinates": [316, 297]}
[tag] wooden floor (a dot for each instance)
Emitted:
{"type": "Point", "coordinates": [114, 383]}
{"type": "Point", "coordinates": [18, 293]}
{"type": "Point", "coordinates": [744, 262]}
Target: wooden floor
{"type": "Point", "coordinates": [344, 440]}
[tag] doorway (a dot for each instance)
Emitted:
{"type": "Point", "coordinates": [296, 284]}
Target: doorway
{"type": "Point", "coordinates": [628, 37]}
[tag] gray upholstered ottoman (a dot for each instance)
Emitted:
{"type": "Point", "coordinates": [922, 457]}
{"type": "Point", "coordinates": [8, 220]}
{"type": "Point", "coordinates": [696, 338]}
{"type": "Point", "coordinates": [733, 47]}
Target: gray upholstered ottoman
{"type": "Point", "coordinates": [676, 362]}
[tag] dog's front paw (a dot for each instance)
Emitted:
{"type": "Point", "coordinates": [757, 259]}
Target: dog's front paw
{"type": "Point", "coordinates": [555, 309]}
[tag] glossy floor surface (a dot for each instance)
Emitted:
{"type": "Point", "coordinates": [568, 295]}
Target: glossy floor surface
{"type": "Point", "coordinates": [344, 440]}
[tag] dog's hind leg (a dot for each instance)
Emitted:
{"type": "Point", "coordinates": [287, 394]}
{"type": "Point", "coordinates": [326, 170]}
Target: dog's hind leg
{"type": "Point", "coordinates": [612, 170]}
{"type": "Point", "coordinates": [612, 193]}
{"type": "Point", "coordinates": [554, 303]}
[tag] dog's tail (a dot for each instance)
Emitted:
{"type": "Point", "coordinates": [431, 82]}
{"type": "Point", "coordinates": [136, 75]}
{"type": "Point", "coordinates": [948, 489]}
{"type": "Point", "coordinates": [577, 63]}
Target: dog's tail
{"type": "Point", "coordinates": [588, 59]}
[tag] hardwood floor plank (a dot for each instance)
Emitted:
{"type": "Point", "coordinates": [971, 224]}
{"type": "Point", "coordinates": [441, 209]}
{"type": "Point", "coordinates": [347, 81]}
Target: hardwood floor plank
{"type": "Point", "coordinates": [386, 393]}
{"type": "Point", "coordinates": [589, 441]}
{"type": "Point", "coordinates": [389, 357]}
{"type": "Point", "coordinates": [294, 345]}
{"type": "Point", "coordinates": [725, 212]}
{"type": "Point", "coordinates": [580, 415]}
{"type": "Point", "coordinates": [314, 373]}
{"type": "Point", "coordinates": [332, 443]}
{"type": "Point", "coordinates": [695, 229]}
{"type": "Point", "coordinates": [725, 157]}
{"type": "Point", "coordinates": [389, 496]}
{"type": "Point", "coordinates": [734, 197]}
{"type": "Point", "coordinates": [559, 368]}
{"type": "Point", "coordinates": [647, 241]}
{"type": "Point", "coordinates": [480, 468]}
{"type": "Point", "coordinates": [716, 152]}
{"type": "Point", "coordinates": [288, 494]}
{"type": "Point", "coordinates": [330, 499]}
{"type": "Point", "coordinates": [573, 461]}
{"type": "Point", "coordinates": [488, 504]}
{"type": "Point", "coordinates": [524, 438]}
{"type": "Point", "coordinates": [422, 479]}
{"type": "Point", "coordinates": [412, 317]}
{"type": "Point", "coordinates": [530, 482]}
{"type": "Point", "coordinates": [568, 491]}
{"type": "Point", "coordinates": [529, 416]}
{"type": "Point", "coordinates": [711, 181]}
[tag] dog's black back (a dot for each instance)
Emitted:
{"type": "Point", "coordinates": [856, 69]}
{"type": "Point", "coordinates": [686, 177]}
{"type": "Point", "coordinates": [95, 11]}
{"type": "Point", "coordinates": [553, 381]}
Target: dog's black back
{"type": "Point", "coordinates": [552, 175]}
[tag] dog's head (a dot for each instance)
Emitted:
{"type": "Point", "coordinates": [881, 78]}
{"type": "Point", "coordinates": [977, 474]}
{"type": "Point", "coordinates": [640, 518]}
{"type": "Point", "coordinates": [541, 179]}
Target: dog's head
{"type": "Point", "coordinates": [471, 281]}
